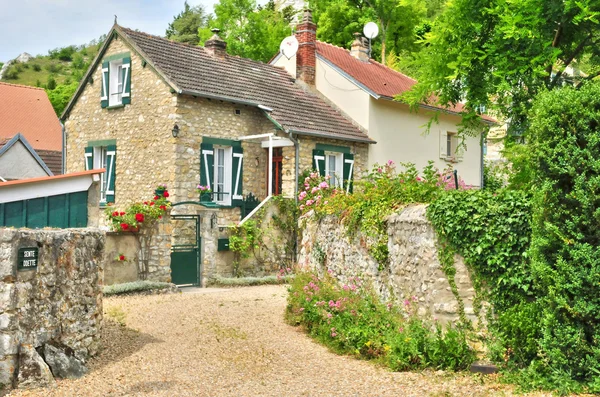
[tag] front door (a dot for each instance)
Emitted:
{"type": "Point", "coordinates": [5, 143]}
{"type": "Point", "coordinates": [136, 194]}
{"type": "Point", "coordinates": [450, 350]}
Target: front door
{"type": "Point", "coordinates": [276, 169]}
{"type": "Point", "coordinates": [185, 250]}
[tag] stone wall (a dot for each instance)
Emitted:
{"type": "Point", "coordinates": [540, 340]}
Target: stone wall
{"type": "Point", "coordinates": [56, 308]}
{"type": "Point", "coordinates": [149, 249]}
{"type": "Point", "coordinates": [414, 268]}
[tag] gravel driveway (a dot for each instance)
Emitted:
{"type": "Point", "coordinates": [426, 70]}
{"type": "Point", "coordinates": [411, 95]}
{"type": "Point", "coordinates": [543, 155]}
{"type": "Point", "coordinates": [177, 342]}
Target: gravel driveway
{"type": "Point", "coordinates": [234, 342]}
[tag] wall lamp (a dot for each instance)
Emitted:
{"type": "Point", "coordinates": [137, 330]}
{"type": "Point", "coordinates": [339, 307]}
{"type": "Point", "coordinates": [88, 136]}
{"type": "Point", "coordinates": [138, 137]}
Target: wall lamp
{"type": "Point", "coordinates": [175, 131]}
{"type": "Point", "coordinates": [213, 221]}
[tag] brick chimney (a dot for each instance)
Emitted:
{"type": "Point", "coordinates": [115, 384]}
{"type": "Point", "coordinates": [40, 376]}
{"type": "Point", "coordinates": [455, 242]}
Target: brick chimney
{"type": "Point", "coordinates": [360, 49]}
{"type": "Point", "coordinates": [306, 57]}
{"type": "Point", "coordinates": [216, 46]}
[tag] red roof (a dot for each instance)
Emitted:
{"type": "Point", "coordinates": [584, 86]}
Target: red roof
{"type": "Point", "coordinates": [28, 110]}
{"type": "Point", "coordinates": [376, 77]}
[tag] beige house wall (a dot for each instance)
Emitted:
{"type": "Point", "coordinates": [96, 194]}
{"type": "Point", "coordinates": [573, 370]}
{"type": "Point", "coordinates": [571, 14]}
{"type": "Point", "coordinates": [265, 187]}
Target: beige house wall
{"type": "Point", "coordinates": [288, 65]}
{"type": "Point", "coordinates": [402, 137]}
{"type": "Point", "coordinates": [142, 129]}
{"type": "Point", "coordinates": [347, 96]}
{"type": "Point", "coordinates": [18, 163]}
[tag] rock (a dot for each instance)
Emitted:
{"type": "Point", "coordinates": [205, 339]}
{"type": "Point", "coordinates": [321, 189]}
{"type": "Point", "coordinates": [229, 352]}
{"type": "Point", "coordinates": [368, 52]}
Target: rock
{"type": "Point", "coordinates": [63, 363]}
{"type": "Point", "coordinates": [33, 371]}
{"type": "Point", "coordinates": [24, 57]}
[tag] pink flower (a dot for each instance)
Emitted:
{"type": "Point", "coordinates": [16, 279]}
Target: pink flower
{"type": "Point", "coordinates": [306, 185]}
{"type": "Point", "coordinates": [302, 207]}
{"type": "Point", "coordinates": [390, 163]}
{"type": "Point", "coordinates": [327, 177]}
{"type": "Point", "coordinates": [323, 185]}
{"type": "Point", "coordinates": [329, 315]}
{"type": "Point", "coordinates": [379, 170]}
{"type": "Point", "coordinates": [313, 175]}
{"type": "Point", "coordinates": [310, 202]}
{"type": "Point", "coordinates": [326, 202]}
{"type": "Point", "coordinates": [306, 180]}
{"type": "Point", "coordinates": [314, 190]}
{"type": "Point", "coordinates": [302, 195]}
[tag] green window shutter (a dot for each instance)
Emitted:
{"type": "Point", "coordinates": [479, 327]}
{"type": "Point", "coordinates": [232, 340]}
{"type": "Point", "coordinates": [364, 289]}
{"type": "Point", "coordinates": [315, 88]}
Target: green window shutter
{"type": "Point", "coordinates": [207, 163]}
{"type": "Point", "coordinates": [126, 97]}
{"type": "Point", "coordinates": [111, 160]}
{"type": "Point", "coordinates": [348, 171]}
{"type": "Point", "coordinates": [319, 161]}
{"type": "Point", "coordinates": [105, 84]}
{"type": "Point", "coordinates": [89, 158]}
{"type": "Point", "coordinates": [236, 176]}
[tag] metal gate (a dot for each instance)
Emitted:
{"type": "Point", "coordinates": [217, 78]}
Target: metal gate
{"type": "Point", "coordinates": [185, 250]}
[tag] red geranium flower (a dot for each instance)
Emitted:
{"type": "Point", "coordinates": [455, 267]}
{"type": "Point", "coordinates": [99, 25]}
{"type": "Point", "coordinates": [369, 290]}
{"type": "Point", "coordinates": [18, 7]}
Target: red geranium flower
{"type": "Point", "coordinates": [156, 197]}
{"type": "Point", "coordinates": [151, 203]}
{"type": "Point", "coordinates": [145, 203]}
{"type": "Point", "coordinates": [122, 213]}
{"type": "Point", "coordinates": [139, 217]}
{"type": "Point", "coordinates": [116, 213]}
{"type": "Point", "coordinates": [160, 217]}
{"type": "Point", "coordinates": [163, 207]}
{"type": "Point", "coordinates": [121, 257]}
{"type": "Point", "coordinates": [166, 194]}
{"type": "Point", "coordinates": [124, 226]}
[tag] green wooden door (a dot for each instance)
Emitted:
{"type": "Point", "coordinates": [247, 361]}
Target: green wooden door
{"type": "Point", "coordinates": [185, 250]}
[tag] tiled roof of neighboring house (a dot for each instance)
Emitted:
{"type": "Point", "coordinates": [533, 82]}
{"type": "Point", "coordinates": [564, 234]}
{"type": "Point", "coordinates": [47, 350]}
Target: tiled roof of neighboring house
{"type": "Point", "coordinates": [192, 70]}
{"type": "Point", "coordinates": [378, 78]}
{"type": "Point", "coordinates": [53, 160]}
{"type": "Point", "coordinates": [27, 110]}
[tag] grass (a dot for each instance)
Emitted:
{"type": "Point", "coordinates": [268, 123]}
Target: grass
{"type": "Point", "coordinates": [135, 287]}
{"type": "Point", "coordinates": [117, 314]}
{"type": "Point", "coordinates": [248, 281]}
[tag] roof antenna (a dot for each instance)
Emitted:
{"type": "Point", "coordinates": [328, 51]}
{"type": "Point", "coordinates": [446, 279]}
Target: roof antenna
{"type": "Point", "coordinates": [115, 19]}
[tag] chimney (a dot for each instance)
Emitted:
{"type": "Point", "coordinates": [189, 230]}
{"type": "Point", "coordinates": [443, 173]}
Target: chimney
{"type": "Point", "coordinates": [359, 48]}
{"type": "Point", "coordinates": [216, 46]}
{"type": "Point", "coordinates": [306, 57]}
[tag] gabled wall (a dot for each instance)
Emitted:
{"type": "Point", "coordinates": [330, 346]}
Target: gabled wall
{"type": "Point", "coordinates": [18, 163]}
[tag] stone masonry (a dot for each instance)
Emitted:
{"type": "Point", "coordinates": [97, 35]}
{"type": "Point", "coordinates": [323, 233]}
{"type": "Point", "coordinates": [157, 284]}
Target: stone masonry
{"type": "Point", "coordinates": [58, 304]}
{"type": "Point", "coordinates": [414, 268]}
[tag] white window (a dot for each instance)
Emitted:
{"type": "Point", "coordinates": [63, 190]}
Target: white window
{"type": "Point", "coordinates": [222, 175]}
{"type": "Point", "coordinates": [333, 168]}
{"type": "Point", "coordinates": [101, 161]}
{"type": "Point", "coordinates": [115, 90]}
{"type": "Point", "coordinates": [450, 150]}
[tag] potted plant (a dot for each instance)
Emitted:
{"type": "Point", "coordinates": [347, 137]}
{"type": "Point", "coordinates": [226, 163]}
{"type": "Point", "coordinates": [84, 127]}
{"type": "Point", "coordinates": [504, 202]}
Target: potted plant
{"type": "Point", "coordinates": [161, 189]}
{"type": "Point", "coordinates": [205, 192]}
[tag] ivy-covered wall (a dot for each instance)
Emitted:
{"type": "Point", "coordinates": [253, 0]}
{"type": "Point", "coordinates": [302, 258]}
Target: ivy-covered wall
{"type": "Point", "coordinates": [414, 271]}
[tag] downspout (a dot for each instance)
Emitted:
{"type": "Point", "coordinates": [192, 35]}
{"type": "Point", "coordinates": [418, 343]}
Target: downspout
{"type": "Point", "coordinates": [64, 147]}
{"type": "Point", "coordinates": [482, 163]}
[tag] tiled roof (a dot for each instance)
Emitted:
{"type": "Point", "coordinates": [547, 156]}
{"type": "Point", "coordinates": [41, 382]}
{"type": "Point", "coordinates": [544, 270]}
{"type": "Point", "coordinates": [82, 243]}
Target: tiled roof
{"type": "Point", "coordinates": [53, 160]}
{"type": "Point", "coordinates": [27, 110]}
{"type": "Point", "coordinates": [192, 69]}
{"type": "Point", "coordinates": [376, 77]}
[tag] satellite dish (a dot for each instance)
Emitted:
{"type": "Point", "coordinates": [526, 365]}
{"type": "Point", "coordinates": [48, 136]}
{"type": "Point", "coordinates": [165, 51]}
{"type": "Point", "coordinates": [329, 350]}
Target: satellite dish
{"type": "Point", "coordinates": [289, 46]}
{"type": "Point", "coordinates": [371, 30]}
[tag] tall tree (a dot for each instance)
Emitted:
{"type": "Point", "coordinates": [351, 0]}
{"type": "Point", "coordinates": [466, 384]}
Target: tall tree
{"type": "Point", "coordinates": [184, 27]}
{"type": "Point", "coordinates": [501, 53]}
{"type": "Point", "coordinates": [249, 30]}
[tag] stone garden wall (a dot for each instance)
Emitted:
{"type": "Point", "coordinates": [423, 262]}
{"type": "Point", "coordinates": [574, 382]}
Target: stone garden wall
{"type": "Point", "coordinates": [50, 315]}
{"type": "Point", "coordinates": [414, 269]}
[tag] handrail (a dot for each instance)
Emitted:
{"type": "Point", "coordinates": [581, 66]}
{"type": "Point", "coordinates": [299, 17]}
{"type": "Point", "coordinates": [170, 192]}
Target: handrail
{"type": "Point", "coordinates": [255, 210]}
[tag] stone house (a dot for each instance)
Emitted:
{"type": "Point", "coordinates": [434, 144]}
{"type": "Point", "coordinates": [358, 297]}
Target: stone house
{"type": "Point", "coordinates": [365, 91]}
{"type": "Point", "coordinates": [153, 111]}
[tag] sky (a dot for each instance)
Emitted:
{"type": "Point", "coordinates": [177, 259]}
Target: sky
{"type": "Point", "coordinates": [36, 26]}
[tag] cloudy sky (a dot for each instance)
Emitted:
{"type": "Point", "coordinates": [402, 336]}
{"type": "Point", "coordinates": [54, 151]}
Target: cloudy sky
{"type": "Point", "coordinates": [35, 26]}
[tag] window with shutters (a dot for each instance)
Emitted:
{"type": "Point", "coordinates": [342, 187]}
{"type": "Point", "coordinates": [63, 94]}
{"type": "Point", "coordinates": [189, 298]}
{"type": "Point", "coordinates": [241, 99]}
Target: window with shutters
{"type": "Point", "coordinates": [450, 149]}
{"type": "Point", "coordinates": [101, 156]}
{"type": "Point", "coordinates": [116, 81]}
{"type": "Point", "coordinates": [337, 162]}
{"type": "Point", "coordinates": [221, 168]}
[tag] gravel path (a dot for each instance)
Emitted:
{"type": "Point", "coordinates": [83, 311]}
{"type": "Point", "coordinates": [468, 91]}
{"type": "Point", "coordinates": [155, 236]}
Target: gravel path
{"type": "Point", "coordinates": [235, 343]}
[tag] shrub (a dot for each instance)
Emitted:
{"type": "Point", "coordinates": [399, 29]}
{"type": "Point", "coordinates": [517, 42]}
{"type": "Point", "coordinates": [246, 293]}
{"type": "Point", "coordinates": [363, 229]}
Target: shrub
{"type": "Point", "coordinates": [135, 286]}
{"type": "Point", "coordinates": [36, 67]}
{"type": "Point", "coordinates": [11, 73]}
{"type": "Point", "coordinates": [138, 214]}
{"type": "Point", "coordinates": [51, 83]}
{"type": "Point", "coordinates": [53, 68]}
{"type": "Point", "coordinates": [349, 319]}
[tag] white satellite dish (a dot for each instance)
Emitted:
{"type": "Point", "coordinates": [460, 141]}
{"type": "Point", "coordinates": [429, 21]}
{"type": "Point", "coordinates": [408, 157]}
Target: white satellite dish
{"type": "Point", "coordinates": [289, 46]}
{"type": "Point", "coordinates": [371, 30]}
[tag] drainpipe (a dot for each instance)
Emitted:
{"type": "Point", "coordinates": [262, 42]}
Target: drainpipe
{"type": "Point", "coordinates": [482, 163]}
{"type": "Point", "coordinates": [64, 145]}
{"type": "Point", "coordinates": [297, 162]}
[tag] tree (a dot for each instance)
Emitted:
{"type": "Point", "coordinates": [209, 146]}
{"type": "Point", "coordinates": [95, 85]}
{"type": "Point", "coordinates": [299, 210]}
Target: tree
{"type": "Point", "coordinates": [249, 30]}
{"type": "Point", "coordinates": [60, 96]}
{"type": "Point", "coordinates": [500, 54]}
{"type": "Point", "coordinates": [184, 27]}
{"type": "Point", "coordinates": [337, 20]}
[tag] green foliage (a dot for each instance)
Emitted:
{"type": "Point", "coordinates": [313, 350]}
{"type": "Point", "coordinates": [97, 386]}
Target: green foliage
{"type": "Point", "coordinates": [185, 25]}
{"type": "Point", "coordinates": [54, 67]}
{"type": "Point", "coordinates": [249, 281]}
{"type": "Point", "coordinates": [492, 232]}
{"type": "Point", "coordinates": [379, 194]}
{"type": "Point", "coordinates": [60, 96]}
{"type": "Point", "coordinates": [37, 67]}
{"type": "Point", "coordinates": [11, 73]}
{"type": "Point", "coordinates": [135, 286]}
{"type": "Point", "coordinates": [349, 319]}
{"type": "Point", "coordinates": [494, 176]}
{"type": "Point", "coordinates": [250, 31]}
{"type": "Point", "coordinates": [51, 83]}
{"type": "Point", "coordinates": [565, 248]}
{"type": "Point", "coordinates": [138, 215]}
{"type": "Point", "coordinates": [63, 54]}
{"type": "Point", "coordinates": [500, 54]}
